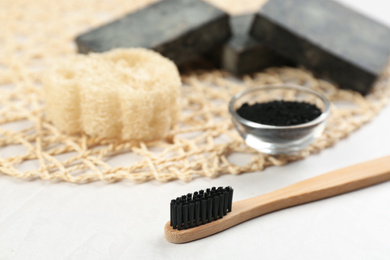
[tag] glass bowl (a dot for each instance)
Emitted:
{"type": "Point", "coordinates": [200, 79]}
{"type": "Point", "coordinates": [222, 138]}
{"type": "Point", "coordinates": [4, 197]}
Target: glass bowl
{"type": "Point", "coordinates": [272, 139]}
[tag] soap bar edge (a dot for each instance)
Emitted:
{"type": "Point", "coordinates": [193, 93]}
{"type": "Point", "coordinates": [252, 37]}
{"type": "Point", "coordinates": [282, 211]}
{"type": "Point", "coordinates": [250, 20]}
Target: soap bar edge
{"type": "Point", "coordinates": [267, 31]}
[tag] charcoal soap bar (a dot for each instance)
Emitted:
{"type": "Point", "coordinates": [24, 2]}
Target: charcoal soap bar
{"type": "Point", "coordinates": [242, 54]}
{"type": "Point", "coordinates": [333, 41]}
{"type": "Point", "coordinates": [178, 29]}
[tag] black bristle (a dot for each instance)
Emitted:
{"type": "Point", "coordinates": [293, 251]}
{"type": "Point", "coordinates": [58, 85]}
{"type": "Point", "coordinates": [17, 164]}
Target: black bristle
{"type": "Point", "coordinates": [179, 216]}
{"type": "Point", "coordinates": [173, 213]}
{"type": "Point", "coordinates": [197, 212]}
{"type": "Point", "coordinates": [226, 202]}
{"type": "Point", "coordinates": [215, 207]}
{"type": "Point", "coordinates": [230, 190]}
{"type": "Point", "coordinates": [200, 207]}
{"type": "Point", "coordinates": [221, 202]}
{"type": "Point", "coordinates": [209, 209]}
{"type": "Point", "coordinates": [185, 215]}
{"type": "Point", "coordinates": [191, 213]}
{"type": "Point", "coordinates": [203, 210]}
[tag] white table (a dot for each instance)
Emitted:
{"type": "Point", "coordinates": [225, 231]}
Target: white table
{"type": "Point", "coordinates": [43, 220]}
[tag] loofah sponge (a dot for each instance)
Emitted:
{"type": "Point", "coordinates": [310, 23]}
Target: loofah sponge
{"type": "Point", "coordinates": [130, 94]}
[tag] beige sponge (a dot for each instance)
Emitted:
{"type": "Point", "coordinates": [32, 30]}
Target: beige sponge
{"type": "Point", "coordinates": [131, 94]}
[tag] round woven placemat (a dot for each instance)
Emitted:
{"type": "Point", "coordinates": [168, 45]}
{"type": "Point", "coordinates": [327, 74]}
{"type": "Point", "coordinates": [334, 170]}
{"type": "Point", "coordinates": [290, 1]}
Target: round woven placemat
{"type": "Point", "coordinates": [37, 33]}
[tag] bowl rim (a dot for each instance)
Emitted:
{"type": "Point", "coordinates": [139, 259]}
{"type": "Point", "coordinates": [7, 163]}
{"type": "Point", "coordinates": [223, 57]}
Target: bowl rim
{"type": "Point", "coordinates": [236, 116]}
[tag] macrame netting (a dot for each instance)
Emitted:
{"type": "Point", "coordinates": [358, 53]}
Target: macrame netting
{"type": "Point", "coordinates": [34, 34]}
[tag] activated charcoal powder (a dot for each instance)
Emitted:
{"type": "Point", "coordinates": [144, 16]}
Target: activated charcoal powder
{"type": "Point", "coordinates": [279, 112]}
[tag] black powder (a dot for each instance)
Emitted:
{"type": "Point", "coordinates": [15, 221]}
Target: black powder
{"type": "Point", "coordinates": [279, 112]}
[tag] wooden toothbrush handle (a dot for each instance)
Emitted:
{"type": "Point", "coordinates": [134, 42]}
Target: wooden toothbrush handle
{"type": "Point", "coordinates": [323, 186]}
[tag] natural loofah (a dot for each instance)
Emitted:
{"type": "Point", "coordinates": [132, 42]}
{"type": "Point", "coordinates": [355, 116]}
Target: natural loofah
{"type": "Point", "coordinates": [127, 93]}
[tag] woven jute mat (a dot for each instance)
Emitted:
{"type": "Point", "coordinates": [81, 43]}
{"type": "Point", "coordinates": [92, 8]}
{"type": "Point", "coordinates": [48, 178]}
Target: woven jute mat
{"type": "Point", "coordinates": [34, 34]}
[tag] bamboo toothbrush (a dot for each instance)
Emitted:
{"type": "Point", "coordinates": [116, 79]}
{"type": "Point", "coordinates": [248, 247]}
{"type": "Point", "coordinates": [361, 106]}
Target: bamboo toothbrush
{"type": "Point", "coordinates": [210, 206]}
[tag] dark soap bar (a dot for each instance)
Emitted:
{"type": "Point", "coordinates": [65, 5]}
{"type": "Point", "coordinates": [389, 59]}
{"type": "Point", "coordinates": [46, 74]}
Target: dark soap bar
{"type": "Point", "coordinates": [243, 54]}
{"type": "Point", "coordinates": [333, 41]}
{"type": "Point", "coordinates": [178, 29]}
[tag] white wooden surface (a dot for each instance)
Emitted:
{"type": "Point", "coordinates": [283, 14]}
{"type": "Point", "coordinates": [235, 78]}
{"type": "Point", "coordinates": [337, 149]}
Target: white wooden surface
{"type": "Point", "coordinates": [43, 220]}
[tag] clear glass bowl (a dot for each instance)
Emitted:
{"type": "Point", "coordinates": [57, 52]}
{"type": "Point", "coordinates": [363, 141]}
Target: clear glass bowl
{"type": "Point", "coordinates": [279, 139]}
